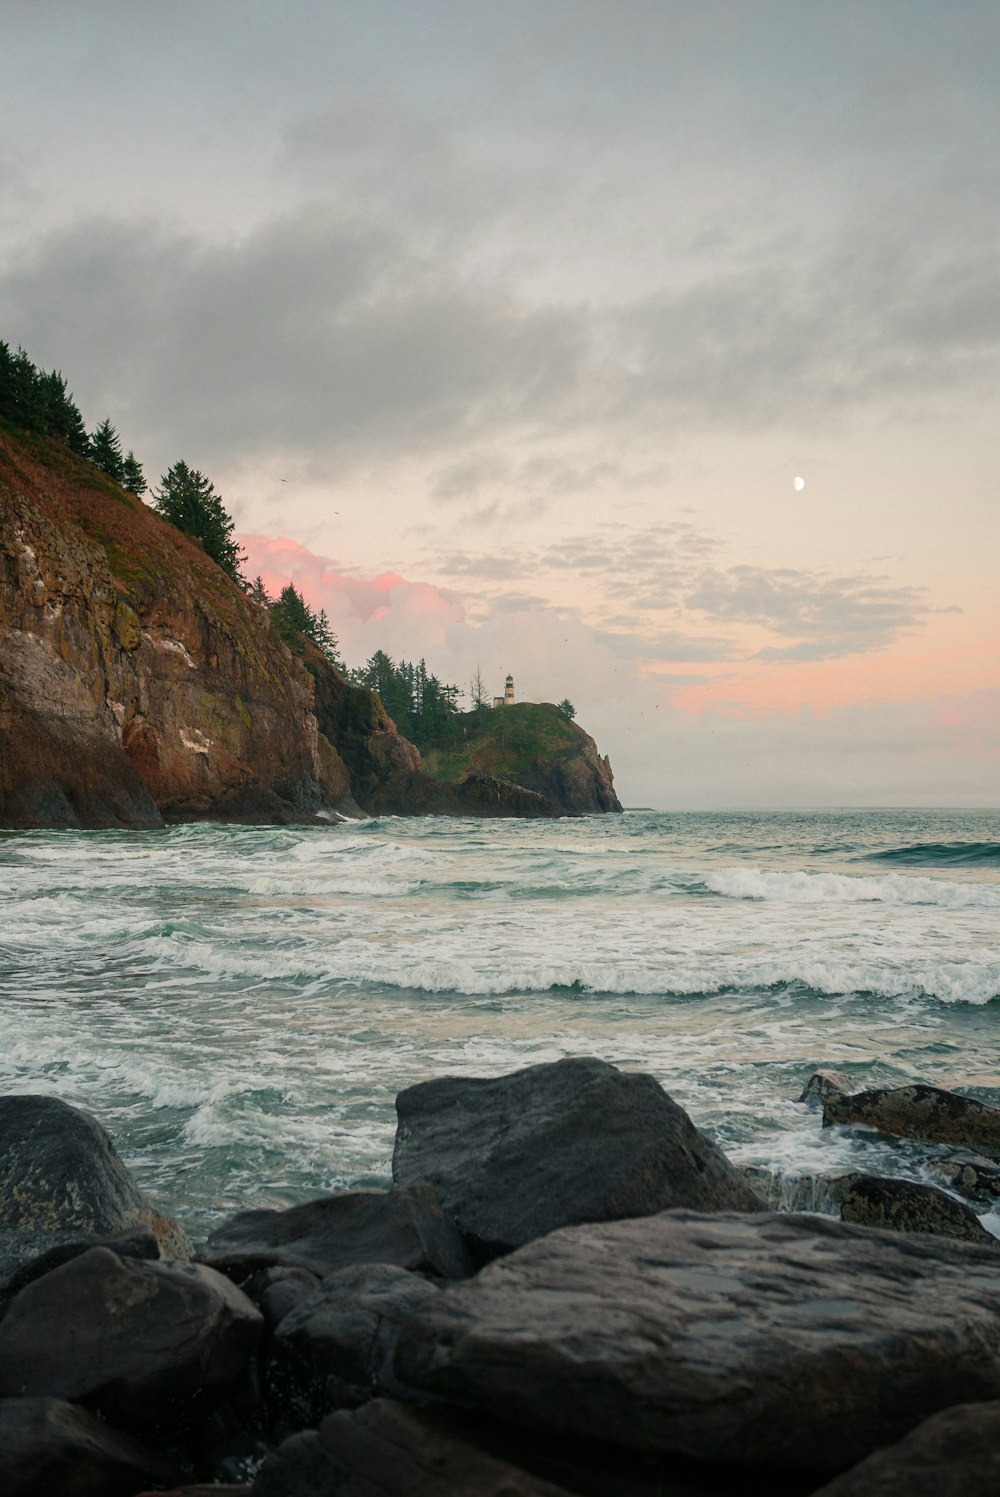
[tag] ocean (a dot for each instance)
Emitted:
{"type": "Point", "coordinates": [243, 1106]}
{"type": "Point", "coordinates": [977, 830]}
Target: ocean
{"type": "Point", "coordinates": [240, 1005]}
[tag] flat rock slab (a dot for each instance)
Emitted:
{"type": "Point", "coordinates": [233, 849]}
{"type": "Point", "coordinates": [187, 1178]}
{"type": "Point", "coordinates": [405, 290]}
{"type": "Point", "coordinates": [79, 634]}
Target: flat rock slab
{"type": "Point", "coordinates": [923, 1112]}
{"type": "Point", "coordinates": [515, 1157]}
{"type": "Point", "coordinates": [389, 1450]}
{"type": "Point", "coordinates": [786, 1341]}
{"type": "Point", "coordinates": [49, 1448]}
{"type": "Point", "coordinates": [405, 1227]}
{"type": "Point", "coordinates": [334, 1349]}
{"type": "Point", "coordinates": [954, 1454]}
{"type": "Point", "coordinates": [149, 1346]}
{"type": "Point", "coordinates": [63, 1184]}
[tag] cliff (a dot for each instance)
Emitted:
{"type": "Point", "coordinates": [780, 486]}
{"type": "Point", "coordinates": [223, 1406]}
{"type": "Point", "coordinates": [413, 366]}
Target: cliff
{"type": "Point", "coordinates": [139, 684]}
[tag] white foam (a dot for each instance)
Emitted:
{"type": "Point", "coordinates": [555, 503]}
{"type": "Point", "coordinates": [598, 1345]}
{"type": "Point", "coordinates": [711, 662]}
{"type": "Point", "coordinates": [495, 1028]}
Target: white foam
{"type": "Point", "coordinates": [841, 888]}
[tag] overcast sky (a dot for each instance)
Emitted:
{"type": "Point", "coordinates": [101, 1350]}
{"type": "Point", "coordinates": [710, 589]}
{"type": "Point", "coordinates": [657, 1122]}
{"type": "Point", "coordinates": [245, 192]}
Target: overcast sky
{"type": "Point", "coordinates": [504, 331]}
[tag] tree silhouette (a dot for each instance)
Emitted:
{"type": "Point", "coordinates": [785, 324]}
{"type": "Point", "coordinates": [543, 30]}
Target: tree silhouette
{"type": "Point", "coordinates": [188, 500]}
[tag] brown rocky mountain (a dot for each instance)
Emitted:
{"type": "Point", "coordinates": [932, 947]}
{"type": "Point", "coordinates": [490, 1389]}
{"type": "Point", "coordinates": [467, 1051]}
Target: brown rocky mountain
{"type": "Point", "coordinates": [138, 683]}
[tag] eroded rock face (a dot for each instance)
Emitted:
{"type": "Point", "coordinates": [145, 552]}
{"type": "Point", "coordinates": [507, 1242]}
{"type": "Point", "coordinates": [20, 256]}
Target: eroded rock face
{"type": "Point", "coordinates": [924, 1112]}
{"type": "Point", "coordinates": [135, 679]}
{"type": "Point", "coordinates": [388, 1448]}
{"type": "Point", "coordinates": [517, 1156]}
{"type": "Point", "coordinates": [63, 1187]}
{"type": "Point", "coordinates": [954, 1454]}
{"type": "Point", "coordinates": [49, 1448]}
{"type": "Point", "coordinates": [764, 1340]}
{"type": "Point", "coordinates": [146, 1345]}
{"type": "Point", "coordinates": [407, 1228]}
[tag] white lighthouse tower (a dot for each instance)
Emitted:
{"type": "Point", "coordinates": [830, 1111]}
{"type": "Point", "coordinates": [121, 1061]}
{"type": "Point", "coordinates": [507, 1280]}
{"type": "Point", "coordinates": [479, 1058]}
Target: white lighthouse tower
{"type": "Point", "coordinates": [508, 692]}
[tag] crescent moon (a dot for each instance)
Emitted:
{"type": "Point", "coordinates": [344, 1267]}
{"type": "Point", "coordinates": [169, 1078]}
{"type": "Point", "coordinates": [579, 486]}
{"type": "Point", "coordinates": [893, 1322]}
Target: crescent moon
{"type": "Point", "coordinates": [798, 484]}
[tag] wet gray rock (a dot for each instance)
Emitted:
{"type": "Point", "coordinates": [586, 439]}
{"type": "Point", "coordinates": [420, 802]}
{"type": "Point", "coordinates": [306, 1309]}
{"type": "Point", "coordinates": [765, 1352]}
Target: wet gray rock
{"type": "Point", "coordinates": [767, 1341]}
{"type": "Point", "coordinates": [923, 1112]}
{"type": "Point", "coordinates": [405, 1227]}
{"type": "Point", "coordinates": [517, 1156]}
{"type": "Point", "coordinates": [954, 1454]}
{"type": "Point", "coordinates": [149, 1346]}
{"type": "Point", "coordinates": [135, 1242]}
{"type": "Point", "coordinates": [334, 1350]}
{"type": "Point", "coordinates": [276, 1291]}
{"type": "Point", "coordinates": [388, 1449]}
{"type": "Point", "coordinates": [49, 1448]}
{"type": "Point", "coordinates": [824, 1084]}
{"type": "Point", "coordinates": [907, 1206]}
{"type": "Point", "coordinates": [63, 1184]}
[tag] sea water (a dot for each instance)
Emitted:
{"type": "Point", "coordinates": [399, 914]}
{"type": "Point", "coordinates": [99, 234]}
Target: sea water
{"type": "Point", "coordinates": [240, 1005]}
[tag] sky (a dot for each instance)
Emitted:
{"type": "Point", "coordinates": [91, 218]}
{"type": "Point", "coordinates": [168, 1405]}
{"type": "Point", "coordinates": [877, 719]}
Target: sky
{"type": "Point", "coordinates": [504, 331]}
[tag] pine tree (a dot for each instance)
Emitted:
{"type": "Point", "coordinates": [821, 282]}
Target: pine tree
{"type": "Point", "coordinates": [567, 709]}
{"type": "Point", "coordinates": [257, 593]}
{"type": "Point", "coordinates": [106, 451]}
{"type": "Point", "coordinates": [188, 500]}
{"type": "Point", "coordinates": [133, 477]}
{"type": "Point", "coordinates": [62, 414]}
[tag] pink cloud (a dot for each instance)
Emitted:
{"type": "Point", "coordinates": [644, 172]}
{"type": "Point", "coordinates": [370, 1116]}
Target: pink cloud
{"type": "Point", "coordinates": [354, 604]}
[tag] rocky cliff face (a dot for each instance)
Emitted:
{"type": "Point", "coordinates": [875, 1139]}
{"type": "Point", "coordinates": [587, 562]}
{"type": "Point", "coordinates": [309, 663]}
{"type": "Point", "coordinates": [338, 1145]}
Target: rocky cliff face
{"type": "Point", "coordinates": [136, 682]}
{"type": "Point", "coordinates": [139, 684]}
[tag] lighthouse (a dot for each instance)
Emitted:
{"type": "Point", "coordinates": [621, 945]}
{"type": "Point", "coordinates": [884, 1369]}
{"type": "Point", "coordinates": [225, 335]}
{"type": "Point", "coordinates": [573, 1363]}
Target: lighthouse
{"type": "Point", "coordinates": [508, 692]}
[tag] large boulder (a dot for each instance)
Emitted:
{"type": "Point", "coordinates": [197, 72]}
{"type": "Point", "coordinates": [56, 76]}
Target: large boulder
{"type": "Point", "coordinates": [953, 1454]}
{"type": "Point", "coordinates": [149, 1346]}
{"type": "Point", "coordinates": [63, 1185]}
{"type": "Point", "coordinates": [768, 1341]}
{"type": "Point", "coordinates": [49, 1448]}
{"type": "Point", "coordinates": [517, 1156]}
{"type": "Point", "coordinates": [404, 1227]}
{"type": "Point", "coordinates": [387, 1449]}
{"type": "Point", "coordinates": [334, 1349]}
{"type": "Point", "coordinates": [923, 1112]}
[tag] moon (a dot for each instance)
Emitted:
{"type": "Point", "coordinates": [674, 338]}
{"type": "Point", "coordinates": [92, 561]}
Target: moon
{"type": "Point", "coordinates": [798, 484]}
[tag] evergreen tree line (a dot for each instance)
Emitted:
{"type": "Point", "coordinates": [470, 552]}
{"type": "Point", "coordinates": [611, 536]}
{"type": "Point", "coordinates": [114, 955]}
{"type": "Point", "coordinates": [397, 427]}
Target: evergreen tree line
{"type": "Point", "coordinates": [292, 618]}
{"type": "Point", "coordinates": [424, 709]}
{"type": "Point", "coordinates": [39, 401]}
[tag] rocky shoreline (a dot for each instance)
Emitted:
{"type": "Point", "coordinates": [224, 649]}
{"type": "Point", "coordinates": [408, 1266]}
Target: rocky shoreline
{"type": "Point", "coordinates": [568, 1289]}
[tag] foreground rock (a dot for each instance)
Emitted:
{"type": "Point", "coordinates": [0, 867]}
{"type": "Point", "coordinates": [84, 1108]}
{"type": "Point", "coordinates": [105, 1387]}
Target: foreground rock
{"type": "Point", "coordinates": [404, 1227]}
{"type": "Point", "coordinates": [770, 1341]}
{"type": "Point", "coordinates": [923, 1112]}
{"type": "Point", "coordinates": [63, 1186]}
{"type": "Point", "coordinates": [148, 1346]}
{"type": "Point", "coordinates": [954, 1454]}
{"type": "Point", "coordinates": [387, 1449]}
{"type": "Point", "coordinates": [554, 1145]}
{"type": "Point", "coordinates": [334, 1350]}
{"type": "Point", "coordinates": [49, 1448]}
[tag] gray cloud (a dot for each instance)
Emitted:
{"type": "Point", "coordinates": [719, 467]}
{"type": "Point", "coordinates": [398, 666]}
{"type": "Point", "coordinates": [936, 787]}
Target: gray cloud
{"type": "Point", "coordinates": [826, 616]}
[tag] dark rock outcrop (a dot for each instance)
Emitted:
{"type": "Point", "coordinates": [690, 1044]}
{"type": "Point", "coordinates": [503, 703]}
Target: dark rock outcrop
{"type": "Point", "coordinates": [334, 1350]}
{"type": "Point", "coordinates": [387, 1449]}
{"type": "Point", "coordinates": [405, 1227]}
{"type": "Point", "coordinates": [146, 1345]}
{"type": "Point", "coordinates": [922, 1112]}
{"type": "Point", "coordinates": [63, 1188]}
{"type": "Point", "coordinates": [907, 1206]}
{"type": "Point", "coordinates": [970, 1174]}
{"type": "Point", "coordinates": [49, 1448]}
{"type": "Point", "coordinates": [577, 1140]}
{"type": "Point", "coordinates": [764, 1340]}
{"type": "Point", "coordinates": [954, 1454]}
